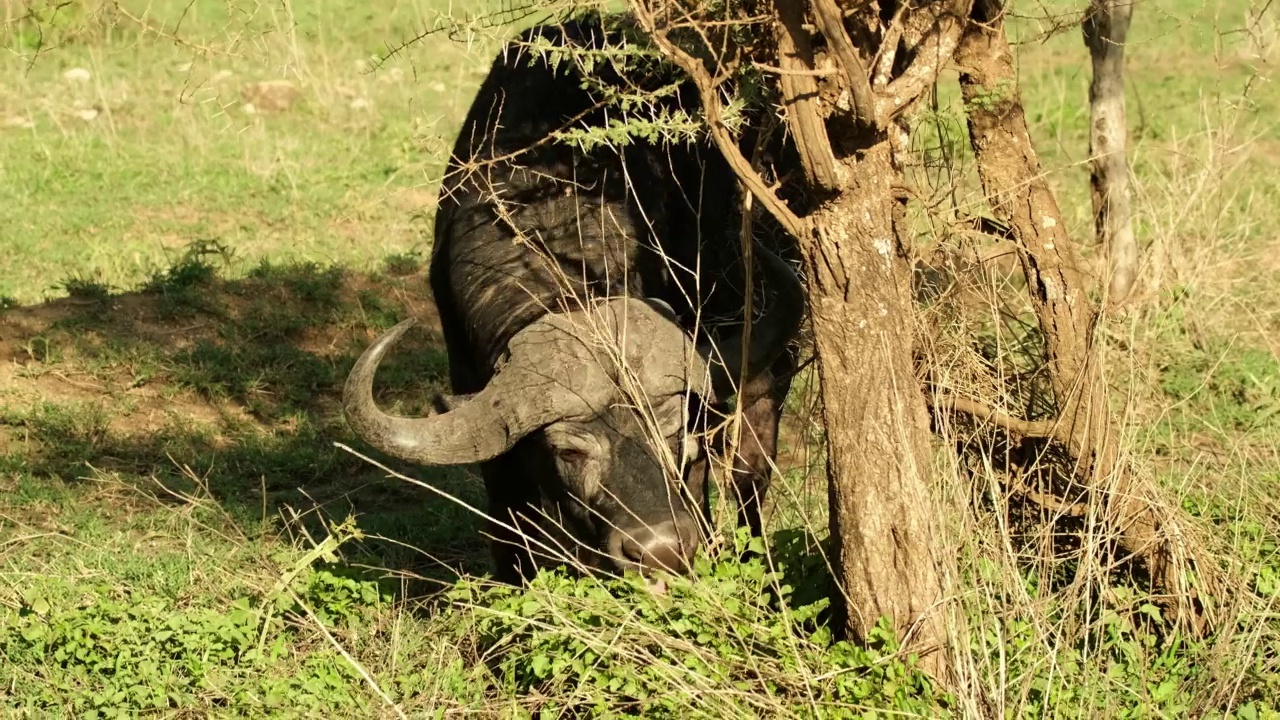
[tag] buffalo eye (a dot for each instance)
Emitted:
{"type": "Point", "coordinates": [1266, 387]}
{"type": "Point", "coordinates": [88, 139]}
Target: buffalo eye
{"type": "Point", "coordinates": [571, 456]}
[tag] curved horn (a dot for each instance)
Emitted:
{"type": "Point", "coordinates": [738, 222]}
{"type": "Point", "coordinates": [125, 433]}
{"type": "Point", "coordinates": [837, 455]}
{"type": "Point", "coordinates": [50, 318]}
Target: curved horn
{"type": "Point", "coordinates": [551, 374]}
{"type": "Point", "coordinates": [769, 335]}
{"type": "Point", "coordinates": [465, 435]}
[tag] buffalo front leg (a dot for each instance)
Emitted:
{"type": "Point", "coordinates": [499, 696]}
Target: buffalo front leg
{"type": "Point", "coordinates": [512, 498]}
{"type": "Point", "coordinates": [757, 445]}
{"type": "Point", "coordinates": [696, 479]}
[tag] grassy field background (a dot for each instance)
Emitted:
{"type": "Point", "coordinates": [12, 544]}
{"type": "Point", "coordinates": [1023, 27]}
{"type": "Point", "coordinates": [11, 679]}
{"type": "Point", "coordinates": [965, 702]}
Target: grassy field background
{"type": "Point", "coordinates": [192, 254]}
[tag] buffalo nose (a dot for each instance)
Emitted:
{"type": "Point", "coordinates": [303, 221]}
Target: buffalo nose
{"type": "Point", "coordinates": [654, 547]}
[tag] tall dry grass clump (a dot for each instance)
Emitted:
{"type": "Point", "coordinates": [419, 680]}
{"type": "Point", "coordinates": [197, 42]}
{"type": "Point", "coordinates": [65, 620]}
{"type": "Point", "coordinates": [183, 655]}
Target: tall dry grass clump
{"type": "Point", "coordinates": [1054, 618]}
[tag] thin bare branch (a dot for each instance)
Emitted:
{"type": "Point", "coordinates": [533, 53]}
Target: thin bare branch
{"type": "Point", "coordinates": [160, 32]}
{"type": "Point", "coordinates": [999, 418]}
{"type": "Point", "coordinates": [351, 661]}
{"type": "Point", "coordinates": [808, 72]}
{"type": "Point", "coordinates": [1051, 503]}
{"type": "Point", "coordinates": [713, 110]}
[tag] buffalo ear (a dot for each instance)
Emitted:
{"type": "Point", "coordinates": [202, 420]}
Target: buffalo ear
{"type": "Point", "coordinates": [445, 403]}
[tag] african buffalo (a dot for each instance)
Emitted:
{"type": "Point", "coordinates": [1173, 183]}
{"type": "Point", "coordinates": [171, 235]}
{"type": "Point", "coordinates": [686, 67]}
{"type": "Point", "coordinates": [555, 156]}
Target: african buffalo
{"type": "Point", "coordinates": [592, 304]}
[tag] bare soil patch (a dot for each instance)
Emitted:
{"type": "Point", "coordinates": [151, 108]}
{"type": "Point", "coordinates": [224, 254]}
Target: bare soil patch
{"type": "Point", "coordinates": [137, 357]}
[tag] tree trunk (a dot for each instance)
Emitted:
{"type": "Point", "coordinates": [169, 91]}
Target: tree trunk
{"type": "Point", "coordinates": [1106, 25]}
{"type": "Point", "coordinates": [878, 439]}
{"type": "Point", "coordinates": [887, 559]}
{"type": "Point", "coordinates": [1019, 194]}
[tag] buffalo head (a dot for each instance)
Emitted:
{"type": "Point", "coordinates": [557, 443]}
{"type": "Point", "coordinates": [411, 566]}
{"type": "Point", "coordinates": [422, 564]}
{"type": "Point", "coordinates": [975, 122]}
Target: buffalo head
{"type": "Point", "coordinates": [604, 392]}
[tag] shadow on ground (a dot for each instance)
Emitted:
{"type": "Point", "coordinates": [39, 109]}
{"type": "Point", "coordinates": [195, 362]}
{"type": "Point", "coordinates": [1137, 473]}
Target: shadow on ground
{"type": "Point", "coordinates": [231, 388]}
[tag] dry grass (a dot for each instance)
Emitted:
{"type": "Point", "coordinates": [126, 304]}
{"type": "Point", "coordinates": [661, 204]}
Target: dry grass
{"type": "Point", "coordinates": [1036, 603]}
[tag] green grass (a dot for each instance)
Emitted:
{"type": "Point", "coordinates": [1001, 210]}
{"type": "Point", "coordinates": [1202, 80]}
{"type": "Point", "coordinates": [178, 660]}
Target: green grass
{"type": "Point", "coordinates": [170, 155]}
{"type": "Point", "coordinates": [188, 284]}
{"type": "Point", "coordinates": [1190, 71]}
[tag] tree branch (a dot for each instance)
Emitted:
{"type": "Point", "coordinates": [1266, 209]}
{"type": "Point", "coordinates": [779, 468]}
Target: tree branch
{"type": "Point", "coordinates": [830, 22]}
{"type": "Point", "coordinates": [935, 51]}
{"type": "Point", "coordinates": [800, 97]}
{"type": "Point", "coordinates": [999, 418]}
{"type": "Point", "coordinates": [1106, 28]}
{"type": "Point", "coordinates": [1021, 198]}
{"type": "Point", "coordinates": [720, 134]}
{"type": "Point", "coordinates": [814, 72]}
{"type": "Point", "coordinates": [882, 63]}
{"type": "Point", "coordinates": [1051, 503]}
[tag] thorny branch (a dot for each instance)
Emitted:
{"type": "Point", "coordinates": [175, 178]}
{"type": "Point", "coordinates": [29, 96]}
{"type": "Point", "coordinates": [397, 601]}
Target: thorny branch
{"type": "Point", "coordinates": [172, 36]}
{"type": "Point", "coordinates": [931, 34]}
{"type": "Point", "coordinates": [713, 108]}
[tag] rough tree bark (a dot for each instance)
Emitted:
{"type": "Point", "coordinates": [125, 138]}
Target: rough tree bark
{"type": "Point", "coordinates": [1105, 27]}
{"type": "Point", "coordinates": [1020, 196]}
{"type": "Point", "coordinates": [878, 441]}
{"type": "Point", "coordinates": [885, 541]}
{"type": "Point", "coordinates": [888, 559]}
